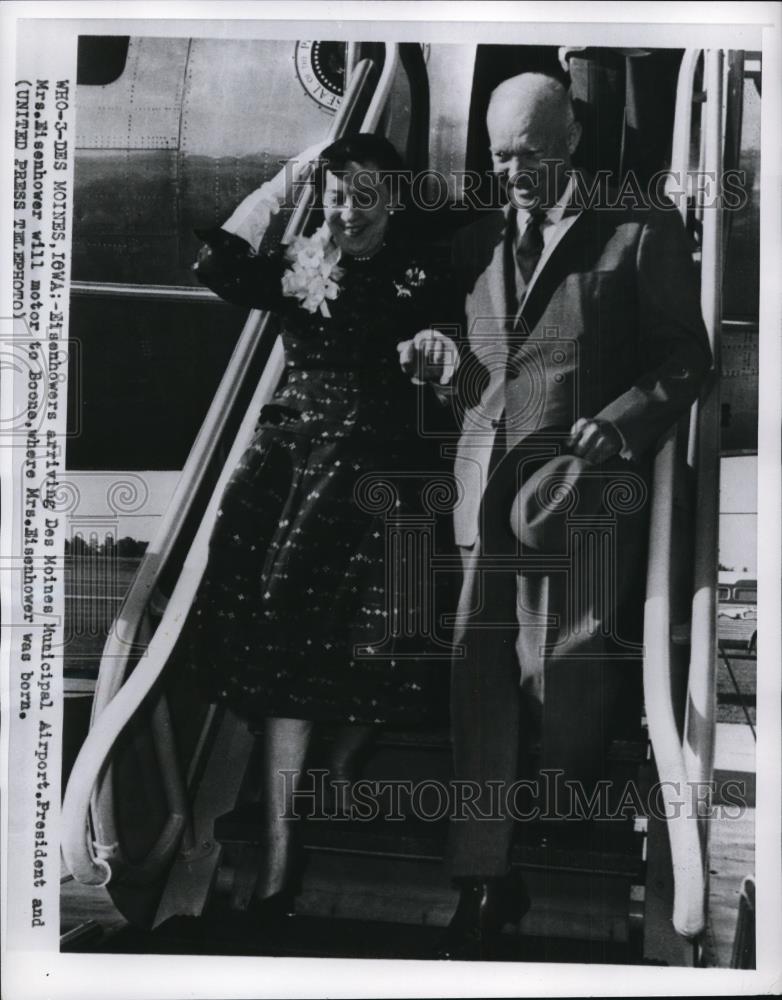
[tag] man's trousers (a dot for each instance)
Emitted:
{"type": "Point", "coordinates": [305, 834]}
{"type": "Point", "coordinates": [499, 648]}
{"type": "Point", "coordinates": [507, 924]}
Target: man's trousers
{"type": "Point", "coordinates": [547, 646]}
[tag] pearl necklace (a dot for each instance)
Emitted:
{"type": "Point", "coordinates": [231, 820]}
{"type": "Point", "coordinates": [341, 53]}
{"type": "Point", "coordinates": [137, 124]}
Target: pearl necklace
{"type": "Point", "coordinates": [370, 255]}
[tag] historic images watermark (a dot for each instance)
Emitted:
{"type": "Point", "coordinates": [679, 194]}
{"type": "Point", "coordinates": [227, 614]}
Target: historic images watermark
{"type": "Point", "coordinates": [550, 797]}
{"type": "Point", "coordinates": [474, 190]}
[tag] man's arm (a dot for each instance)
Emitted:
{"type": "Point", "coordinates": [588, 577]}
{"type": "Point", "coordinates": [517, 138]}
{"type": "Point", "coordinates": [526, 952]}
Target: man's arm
{"type": "Point", "coordinates": [672, 338]}
{"type": "Point", "coordinates": [443, 358]}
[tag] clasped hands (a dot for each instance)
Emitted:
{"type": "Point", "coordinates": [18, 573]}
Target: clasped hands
{"type": "Point", "coordinates": [431, 356]}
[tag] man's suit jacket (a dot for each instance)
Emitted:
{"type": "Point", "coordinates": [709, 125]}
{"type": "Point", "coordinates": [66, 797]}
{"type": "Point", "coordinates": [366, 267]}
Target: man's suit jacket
{"type": "Point", "coordinates": [610, 327]}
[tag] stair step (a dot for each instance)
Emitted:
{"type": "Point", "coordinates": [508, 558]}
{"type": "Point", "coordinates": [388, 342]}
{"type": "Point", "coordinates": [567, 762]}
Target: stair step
{"type": "Point", "coordinates": [432, 739]}
{"type": "Point", "coordinates": [232, 933]}
{"type": "Point", "coordinates": [428, 842]}
{"type": "Point", "coordinates": [564, 904]}
{"type": "Point", "coordinates": [608, 848]}
{"type": "Point", "coordinates": [440, 740]}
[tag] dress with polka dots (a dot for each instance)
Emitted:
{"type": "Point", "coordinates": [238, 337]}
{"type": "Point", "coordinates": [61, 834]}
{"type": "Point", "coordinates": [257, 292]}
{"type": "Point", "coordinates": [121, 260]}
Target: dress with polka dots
{"type": "Point", "coordinates": [318, 601]}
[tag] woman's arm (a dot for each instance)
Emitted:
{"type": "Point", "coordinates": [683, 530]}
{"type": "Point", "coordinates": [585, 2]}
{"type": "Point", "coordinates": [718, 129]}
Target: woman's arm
{"type": "Point", "coordinates": [440, 353]}
{"type": "Point", "coordinates": [230, 262]}
{"type": "Point", "coordinates": [230, 267]}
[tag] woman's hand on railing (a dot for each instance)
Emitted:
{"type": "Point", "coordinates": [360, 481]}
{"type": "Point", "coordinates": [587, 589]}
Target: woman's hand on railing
{"type": "Point", "coordinates": [252, 216]}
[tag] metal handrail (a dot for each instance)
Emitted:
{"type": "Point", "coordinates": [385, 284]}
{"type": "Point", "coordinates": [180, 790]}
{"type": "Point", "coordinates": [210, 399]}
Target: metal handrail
{"type": "Point", "coordinates": [677, 184]}
{"type": "Point", "coordinates": [686, 857]}
{"type": "Point", "coordinates": [164, 293]}
{"type": "Point", "coordinates": [678, 765]}
{"type": "Point", "coordinates": [117, 699]}
{"type": "Point", "coordinates": [658, 667]}
{"type": "Point", "coordinates": [702, 694]}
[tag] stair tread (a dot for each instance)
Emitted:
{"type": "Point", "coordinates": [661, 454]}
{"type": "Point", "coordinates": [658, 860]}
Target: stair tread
{"type": "Point", "coordinates": [440, 739]}
{"type": "Point", "coordinates": [563, 902]}
{"type": "Point", "coordinates": [613, 848]}
{"type": "Point", "coordinates": [234, 933]}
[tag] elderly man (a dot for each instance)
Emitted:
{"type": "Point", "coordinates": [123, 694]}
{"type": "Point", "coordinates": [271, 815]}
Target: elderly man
{"type": "Point", "coordinates": [585, 318]}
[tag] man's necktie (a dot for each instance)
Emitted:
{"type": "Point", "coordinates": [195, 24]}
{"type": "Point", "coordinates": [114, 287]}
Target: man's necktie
{"type": "Point", "coordinates": [530, 246]}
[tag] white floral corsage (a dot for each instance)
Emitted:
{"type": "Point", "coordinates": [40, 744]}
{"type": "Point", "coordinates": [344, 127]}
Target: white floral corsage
{"type": "Point", "coordinates": [313, 278]}
{"type": "Point", "coordinates": [414, 278]}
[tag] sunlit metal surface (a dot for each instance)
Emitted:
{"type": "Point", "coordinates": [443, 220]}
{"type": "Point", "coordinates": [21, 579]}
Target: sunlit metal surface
{"type": "Point", "coordinates": [702, 692]}
{"type": "Point", "coordinates": [166, 293]}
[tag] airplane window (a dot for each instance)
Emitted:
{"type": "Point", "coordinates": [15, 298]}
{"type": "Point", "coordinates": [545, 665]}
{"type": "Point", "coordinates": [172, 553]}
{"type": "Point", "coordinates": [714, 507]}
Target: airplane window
{"type": "Point", "coordinates": [100, 59]}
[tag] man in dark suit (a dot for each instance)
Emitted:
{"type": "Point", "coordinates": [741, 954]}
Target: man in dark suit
{"type": "Point", "coordinates": [587, 343]}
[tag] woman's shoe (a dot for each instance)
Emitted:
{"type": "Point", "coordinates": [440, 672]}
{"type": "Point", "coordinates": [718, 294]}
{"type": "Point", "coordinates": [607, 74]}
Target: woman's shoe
{"type": "Point", "coordinates": [485, 906]}
{"type": "Point", "coordinates": [269, 921]}
{"type": "Point", "coordinates": [282, 903]}
{"type": "Point", "coordinates": [273, 908]}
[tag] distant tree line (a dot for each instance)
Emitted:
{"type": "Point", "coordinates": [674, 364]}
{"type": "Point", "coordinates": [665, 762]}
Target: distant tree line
{"type": "Point", "coordinates": [124, 548]}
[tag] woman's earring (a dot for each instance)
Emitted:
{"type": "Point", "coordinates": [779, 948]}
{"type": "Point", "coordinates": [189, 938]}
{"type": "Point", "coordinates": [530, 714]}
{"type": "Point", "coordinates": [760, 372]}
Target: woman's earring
{"type": "Point", "coordinates": [391, 211]}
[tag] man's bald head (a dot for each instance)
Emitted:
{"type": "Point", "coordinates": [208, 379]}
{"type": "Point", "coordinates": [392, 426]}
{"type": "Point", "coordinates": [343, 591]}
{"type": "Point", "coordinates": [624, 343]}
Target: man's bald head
{"type": "Point", "coordinates": [533, 95]}
{"type": "Point", "coordinates": [531, 124]}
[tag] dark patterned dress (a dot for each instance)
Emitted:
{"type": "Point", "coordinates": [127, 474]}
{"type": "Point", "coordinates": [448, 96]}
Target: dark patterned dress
{"type": "Point", "coordinates": [299, 615]}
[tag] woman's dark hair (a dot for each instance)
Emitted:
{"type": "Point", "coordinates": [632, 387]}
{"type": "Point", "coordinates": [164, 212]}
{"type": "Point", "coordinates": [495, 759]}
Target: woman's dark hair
{"type": "Point", "coordinates": [364, 148]}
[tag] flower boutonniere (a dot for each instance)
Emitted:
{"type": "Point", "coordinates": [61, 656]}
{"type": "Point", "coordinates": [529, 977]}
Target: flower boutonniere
{"type": "Point", "coordinates": [414, 277]}
{"type": "Point", "coordinates": [313, 278]}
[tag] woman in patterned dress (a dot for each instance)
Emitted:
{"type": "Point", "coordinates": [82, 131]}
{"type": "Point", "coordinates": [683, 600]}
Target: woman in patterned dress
{"type": "Point", "coordinates": [293, 620]}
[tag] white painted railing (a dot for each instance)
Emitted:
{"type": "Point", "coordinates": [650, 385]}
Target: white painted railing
{"type": "Point", "coordinates": [683, 761]}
